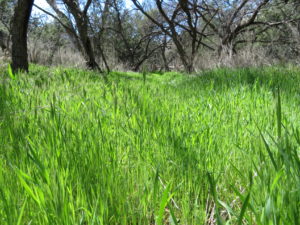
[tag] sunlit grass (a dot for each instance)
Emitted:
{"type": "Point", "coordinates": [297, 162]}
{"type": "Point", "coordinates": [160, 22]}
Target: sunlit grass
{"type": "Point", "coordinates": [222, 147]}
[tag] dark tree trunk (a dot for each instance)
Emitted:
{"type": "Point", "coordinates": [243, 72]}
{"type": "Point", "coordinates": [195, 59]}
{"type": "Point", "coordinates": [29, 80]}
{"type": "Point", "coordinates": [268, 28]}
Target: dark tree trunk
{"type": "Point", "coordinates": [86, 42]}
{"type": "Point", "coordinates": [19, 35]}
{"type": "Point", "coordinates": [4, 39]}
{"type": "Point", "coordinates": [82, 22]}
{"type": "Point", "coordinates": [188, 66]}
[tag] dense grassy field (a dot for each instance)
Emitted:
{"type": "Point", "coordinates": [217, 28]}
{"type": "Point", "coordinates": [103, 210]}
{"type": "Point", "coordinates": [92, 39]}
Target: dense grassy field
{"type": "Point", "coordinates": [218, 148]}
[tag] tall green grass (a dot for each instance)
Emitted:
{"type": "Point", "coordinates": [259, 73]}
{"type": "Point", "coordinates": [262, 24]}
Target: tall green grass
{"type": "Point", "coordinates": [218, 148]}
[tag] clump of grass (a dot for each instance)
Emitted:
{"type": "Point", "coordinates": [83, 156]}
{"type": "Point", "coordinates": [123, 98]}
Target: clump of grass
{"type": "Point", "coordinates": [222, 147]}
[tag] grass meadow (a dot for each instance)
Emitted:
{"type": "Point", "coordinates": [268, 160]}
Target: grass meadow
{"type": "Point", "coordinates": [222, 147]}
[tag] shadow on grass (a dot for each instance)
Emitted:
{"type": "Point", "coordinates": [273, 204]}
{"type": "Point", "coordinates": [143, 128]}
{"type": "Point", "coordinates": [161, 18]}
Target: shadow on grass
{"type": "Point", "coordinates": [287, 79]}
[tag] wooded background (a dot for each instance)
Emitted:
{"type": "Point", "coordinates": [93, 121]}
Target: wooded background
{"type": "Point", "coordinates": [154, 35]}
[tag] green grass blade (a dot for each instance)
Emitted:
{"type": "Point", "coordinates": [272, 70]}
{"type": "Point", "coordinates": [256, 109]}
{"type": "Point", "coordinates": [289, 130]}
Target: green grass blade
{"type": "Point", "coordinates": [21, 213]}
{"type": "Point", "coordinates": [10, 72]}
{"type": "Point", "coordinates": [244, 207]}
{"type": "Point", "coordinates": [269, 151]}
{"type": "Point", "coordinates": [214, 194]}
{"type": "Point", "coordinates": [163, 203]}
{"type": "Point", "coordinates": [279, 114]}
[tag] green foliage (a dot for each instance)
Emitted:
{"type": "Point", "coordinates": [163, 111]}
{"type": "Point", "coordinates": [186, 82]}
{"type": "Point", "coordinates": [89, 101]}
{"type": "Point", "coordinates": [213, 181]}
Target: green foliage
{"type": "Point", "coordinates": [222, 146]}
{"type": "Point", "coordinates": [6, 12]}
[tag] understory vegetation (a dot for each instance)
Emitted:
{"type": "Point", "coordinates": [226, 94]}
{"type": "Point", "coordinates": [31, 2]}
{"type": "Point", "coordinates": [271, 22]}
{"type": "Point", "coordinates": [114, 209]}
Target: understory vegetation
{"type": "Point", "coordinates": [219, 147]}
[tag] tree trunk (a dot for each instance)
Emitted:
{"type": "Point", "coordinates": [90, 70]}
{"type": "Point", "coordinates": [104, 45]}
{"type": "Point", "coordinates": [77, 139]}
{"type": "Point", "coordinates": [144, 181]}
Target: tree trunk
{"type": "Point", "coordinates": [4, 42]}
{"type": "Point", "coordinates": [82, 22]}
{"type": "Point", "coordinates": [163, 53]}
{"type": "Point", "coordinates": [66, 23]}
{"type": "Point", "coordinates": [19, 35]}
{"type": "Point", "coordinates": [226, 47]}
{"type": "Point", "coordinates": [90, 57]}
{"type": "Point", "coordinates": [188, 64]}
{"type": "Point", "coordinates": [86, 43]}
